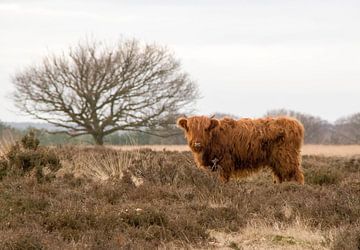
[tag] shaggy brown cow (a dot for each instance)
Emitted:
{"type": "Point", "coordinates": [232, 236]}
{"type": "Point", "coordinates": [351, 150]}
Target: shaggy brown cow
{"type": "Point", "coordinates": [239, 147]}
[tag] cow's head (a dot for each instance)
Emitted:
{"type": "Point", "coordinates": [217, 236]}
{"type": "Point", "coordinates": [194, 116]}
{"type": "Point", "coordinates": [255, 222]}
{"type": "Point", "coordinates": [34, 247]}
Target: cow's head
{"type": "Point", "coordinates": [197, 131]}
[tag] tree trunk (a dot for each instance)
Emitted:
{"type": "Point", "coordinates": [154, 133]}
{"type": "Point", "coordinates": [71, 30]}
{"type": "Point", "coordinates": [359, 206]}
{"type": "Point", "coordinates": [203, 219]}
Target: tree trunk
{"type": "Point", "coordinates": [99, 139]}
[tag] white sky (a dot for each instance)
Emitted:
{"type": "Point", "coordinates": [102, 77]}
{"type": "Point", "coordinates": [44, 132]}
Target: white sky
{"type": "Point", "coordinates": [247, 56]}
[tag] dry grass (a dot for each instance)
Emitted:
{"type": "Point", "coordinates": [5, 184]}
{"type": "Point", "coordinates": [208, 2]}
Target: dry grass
{"type": "Point", "coordinates": [325, 150]}
{"type": "Point", "coordinates": [259, 235]}
{"type": "Point", "coordinates": [103, 165]}
{"type": "Point", "coordinates": [6, 142]}
{"type": "Point", "coordinates": [143, 199]}
{"type": "Point", "coordinates": [331, 150]}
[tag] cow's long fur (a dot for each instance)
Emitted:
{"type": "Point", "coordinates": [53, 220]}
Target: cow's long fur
{"type": "Point", "coordinates": [246, 145]}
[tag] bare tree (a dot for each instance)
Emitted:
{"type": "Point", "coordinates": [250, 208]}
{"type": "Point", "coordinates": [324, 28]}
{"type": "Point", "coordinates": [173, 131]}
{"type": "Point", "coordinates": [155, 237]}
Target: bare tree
{"type": "Point", "coordinates": [97, 90]}
{"type": "Point", "coordinates": [348, 129]}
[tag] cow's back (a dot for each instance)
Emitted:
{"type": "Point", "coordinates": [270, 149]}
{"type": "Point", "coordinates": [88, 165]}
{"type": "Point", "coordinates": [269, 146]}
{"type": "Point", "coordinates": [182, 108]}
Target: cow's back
{"type": "Point", "coordinates": [252, 140]}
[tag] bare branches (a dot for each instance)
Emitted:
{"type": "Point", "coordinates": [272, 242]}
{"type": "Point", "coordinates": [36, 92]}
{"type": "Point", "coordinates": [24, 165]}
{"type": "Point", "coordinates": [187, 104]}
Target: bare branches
{"type": "Point", "coordinates": [99, 90]}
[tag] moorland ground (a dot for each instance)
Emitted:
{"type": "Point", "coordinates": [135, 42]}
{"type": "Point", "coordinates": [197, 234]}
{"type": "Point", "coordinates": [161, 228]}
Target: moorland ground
{"type": "Point", "coordinates": [308, 149]}
{"type": "Point", "coordinates": [102, 198]}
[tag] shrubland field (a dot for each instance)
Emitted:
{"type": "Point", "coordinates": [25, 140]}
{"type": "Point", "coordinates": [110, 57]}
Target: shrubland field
{"type": "Point", "coordinates": [308, 149]}
{"type": "Point", "coordinates": [104, 198]}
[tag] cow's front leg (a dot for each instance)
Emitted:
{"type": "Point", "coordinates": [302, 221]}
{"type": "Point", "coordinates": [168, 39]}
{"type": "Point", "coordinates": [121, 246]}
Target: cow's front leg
{"type": "Point", "coordinates": [224, 176]}
{"type": "Point", "coordinates": [226, 167]}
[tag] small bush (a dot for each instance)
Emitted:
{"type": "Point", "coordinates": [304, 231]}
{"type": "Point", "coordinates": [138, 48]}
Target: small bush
{"type": "Point", "coordinates": [30, 141]}
{"type": "Point", "coordinates": [26, 157]}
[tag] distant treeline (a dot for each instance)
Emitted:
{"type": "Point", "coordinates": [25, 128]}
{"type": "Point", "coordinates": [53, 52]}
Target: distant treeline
{"type": "Point", "coordinates": [317, 131]}
{"type": "Point", "coordinates": [169, 136]}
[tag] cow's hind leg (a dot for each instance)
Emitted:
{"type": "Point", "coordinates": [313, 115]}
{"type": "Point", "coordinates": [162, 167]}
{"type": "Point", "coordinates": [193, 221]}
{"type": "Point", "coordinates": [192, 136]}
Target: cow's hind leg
{"type": "Point", "coordinates": [286, 166]}
{"type": "Point", "coordinates": [296, 173]}
{"type": "Point", "coordinates": [299, 176]}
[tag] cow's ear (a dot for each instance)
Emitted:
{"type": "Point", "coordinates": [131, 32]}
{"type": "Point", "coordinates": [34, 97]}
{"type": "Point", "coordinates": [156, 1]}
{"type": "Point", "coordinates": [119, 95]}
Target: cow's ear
{"type": "Point", "coordinates": [213, 124]}
{"type": "Point", "coordinates": [182, 123]}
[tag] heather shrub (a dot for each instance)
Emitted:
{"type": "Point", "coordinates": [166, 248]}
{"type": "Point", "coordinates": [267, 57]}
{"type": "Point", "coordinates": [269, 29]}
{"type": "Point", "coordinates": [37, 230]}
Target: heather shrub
{"type": "Point", "coordinates": [27, 158]}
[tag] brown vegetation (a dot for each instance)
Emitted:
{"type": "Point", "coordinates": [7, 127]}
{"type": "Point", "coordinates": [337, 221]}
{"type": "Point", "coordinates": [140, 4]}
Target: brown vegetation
{"type": "Point", "coordinates": [161, 200]}
{"type": "Point", "coordinates": [238, 147]}
{"type": "Point", "coordinates": [27, 158]}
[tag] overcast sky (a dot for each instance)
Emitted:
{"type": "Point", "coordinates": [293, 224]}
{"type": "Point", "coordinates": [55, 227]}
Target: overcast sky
{"type": "Point", "coordinates": [247, 56]}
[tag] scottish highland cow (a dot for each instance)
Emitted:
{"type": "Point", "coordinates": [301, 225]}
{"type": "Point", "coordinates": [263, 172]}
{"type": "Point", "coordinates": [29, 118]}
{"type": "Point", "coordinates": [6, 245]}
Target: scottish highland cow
{"type": "Point", "coordinates": [237, 148]}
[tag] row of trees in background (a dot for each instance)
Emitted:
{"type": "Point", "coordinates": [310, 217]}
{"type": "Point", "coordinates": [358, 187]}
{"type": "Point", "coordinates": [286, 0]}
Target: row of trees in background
{"type": "Point", "coordinates": [172, 136]}
{"type": "Point", "coordinates": [317, 131]}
